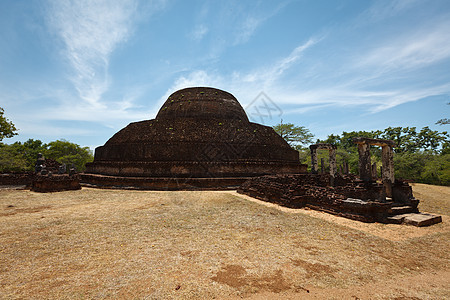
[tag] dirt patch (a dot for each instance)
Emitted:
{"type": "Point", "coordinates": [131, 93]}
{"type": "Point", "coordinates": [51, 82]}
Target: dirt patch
{"type": "Point", "coordinates": [314, 269]}
{"type": "Point", "coordinates": [433, 198]}
{"type": "Point", "coordinates": [106, 244]}
{"type": "Point", "coordinates": [392, 232]}
{"type": "Point", "coordinates": [237, 277]}
{"type": "Point", "coordinates": [12, 210]}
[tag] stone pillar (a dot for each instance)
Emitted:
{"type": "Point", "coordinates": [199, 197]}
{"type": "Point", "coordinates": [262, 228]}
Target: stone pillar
{"type": "Point", "coordinates": [374, 171]}
{"type": "Point", "coordinates": [333, 168]}
{"type": "Point", "coordinates": [365, 170]}
{"type": "Point", "coordinates": [388, 169]}
{"type": "Point", "coordinates": [322, 166]}
{"type": "Point", "coordinates": [314, 163]}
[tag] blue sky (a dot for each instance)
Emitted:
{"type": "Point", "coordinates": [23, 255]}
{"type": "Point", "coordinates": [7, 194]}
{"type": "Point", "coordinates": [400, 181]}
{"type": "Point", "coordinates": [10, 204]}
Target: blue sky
{"type": "Point", "coordinates": [82, 70]}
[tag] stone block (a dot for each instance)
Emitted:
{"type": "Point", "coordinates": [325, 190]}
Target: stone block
{"type": "Point", "coordinates": [422, 219]}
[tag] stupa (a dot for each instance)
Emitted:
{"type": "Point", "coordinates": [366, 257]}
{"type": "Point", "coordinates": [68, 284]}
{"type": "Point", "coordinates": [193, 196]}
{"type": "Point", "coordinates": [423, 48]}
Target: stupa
{"type": "Point", "coordinates": [200, 138]}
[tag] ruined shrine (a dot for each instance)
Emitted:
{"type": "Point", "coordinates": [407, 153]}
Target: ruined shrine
{"type": "Point", "coordinates": [200, 138]}
{"type": "Point", "coordinates": [360, 198]}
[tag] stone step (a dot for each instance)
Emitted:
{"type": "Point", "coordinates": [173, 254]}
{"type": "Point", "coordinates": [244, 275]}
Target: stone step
{"type": "Point", "coordinates": [415, 219]}
{"type": "Point", "coordinates": [397, 219]}
{"type": "Point", "coordinates": [399, 210]}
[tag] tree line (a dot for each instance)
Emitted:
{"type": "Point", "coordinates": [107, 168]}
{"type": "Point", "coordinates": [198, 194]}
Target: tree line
{"type": "Point", "coordinates": [21, 157]}
{"type": "Point", "coordinates": [419, 155]}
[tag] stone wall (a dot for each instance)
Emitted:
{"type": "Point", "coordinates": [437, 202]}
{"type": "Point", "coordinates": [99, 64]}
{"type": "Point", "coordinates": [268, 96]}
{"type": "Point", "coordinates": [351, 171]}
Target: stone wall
{"type": "Point", "coordinates": [162, 183]}
{"type": "Point", "coordinates": [349, 197]}
{"type": "Point", "coordinates": [198, 169]}
{"type": "Point", "coordinates": [16, 179]}
{"type": "Point", "coordinates": [55, 183]}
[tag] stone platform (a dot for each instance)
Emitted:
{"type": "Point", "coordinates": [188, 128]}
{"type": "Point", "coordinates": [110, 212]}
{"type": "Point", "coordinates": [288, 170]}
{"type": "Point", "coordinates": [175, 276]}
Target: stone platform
{"type": "Point", "coordinates": [416, 219]}
{"type": "Point", "coordinates": [349, 197]}
{"type": "Point", "coordinates": [55, 183]}
{"type": "Point", "coordinates": [162, 183]}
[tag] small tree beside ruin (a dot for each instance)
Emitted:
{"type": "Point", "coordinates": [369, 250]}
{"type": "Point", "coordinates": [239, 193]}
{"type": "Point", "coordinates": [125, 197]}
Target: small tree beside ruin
{"type": "Point", "coordinates": [7, 128]}
{"type": "Point", "coordinates": [297, 137]}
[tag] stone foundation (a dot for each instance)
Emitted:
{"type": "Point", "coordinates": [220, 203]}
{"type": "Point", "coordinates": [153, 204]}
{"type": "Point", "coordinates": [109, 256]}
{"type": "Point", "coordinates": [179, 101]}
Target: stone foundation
{"type": "Point", "coordinates": [197, 169]}
{"type": "Point", "coordinates": [349, 197]}
{"type": "Point", "coordinates": [16, 179]}
{"type": "Point", "coordinates": [162, 183]}
{"type": "Point", "coordinates": [55, 183]}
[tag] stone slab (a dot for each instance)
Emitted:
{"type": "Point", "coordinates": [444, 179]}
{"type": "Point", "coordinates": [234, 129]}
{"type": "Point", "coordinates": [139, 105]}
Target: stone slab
{"type": "Point", "coordinates": [399, 210]}
{"type": "Point", "coordinates": [397, 219]}
{"type": "Point", "coordinates": [422, 219]}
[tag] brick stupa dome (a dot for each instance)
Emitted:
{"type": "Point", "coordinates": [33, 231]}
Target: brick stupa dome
{"type": "Point", "coordinates": [200, 137]}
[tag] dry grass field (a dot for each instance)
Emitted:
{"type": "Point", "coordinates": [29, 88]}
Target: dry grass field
{"type": "Point", "coordinates": [96, 244]}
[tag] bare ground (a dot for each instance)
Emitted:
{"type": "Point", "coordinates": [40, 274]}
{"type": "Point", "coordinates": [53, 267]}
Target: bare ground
{"type": "Point", "coordinates": [96, 244]}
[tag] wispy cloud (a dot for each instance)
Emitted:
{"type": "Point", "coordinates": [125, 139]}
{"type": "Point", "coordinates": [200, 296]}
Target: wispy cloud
{"type": "Point", "coordinates": [246, 85]}
{"type": "Point", "coordinates": [247, 24]}
{"type": "Point", "coordinates": [414, 49]}
{"type": "Point", "coordinates": [381, 10]}
{"type": "Point", "coordinates": [91, 30]}
{"type": "Point", "coordinates": [199, 32]}
{"type": "Point", "coordinates": [247, 28]}
{"type": "Point", "coordinates": [267, 76]}
{"type": "Point", "coordinates": [361, 85]}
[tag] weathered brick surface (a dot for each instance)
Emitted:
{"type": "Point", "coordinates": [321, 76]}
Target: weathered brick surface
{"type": "Point", "coordinates": [55, 183]}
{"type": "Point", "coordinates": [16, 178]}
{"type": "Point", "coordinates": [198, 133]}
{"type": "Point", "coordinates": [349, 197]}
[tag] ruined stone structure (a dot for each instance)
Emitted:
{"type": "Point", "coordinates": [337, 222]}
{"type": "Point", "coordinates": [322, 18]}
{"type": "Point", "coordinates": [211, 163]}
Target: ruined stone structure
{"type": "Point", "coordinates": [55, 183]}
{"type": "Point", "coordinates": [361, 198]}
{"type": "Point", "coordinates": [349, 197]}
{"type": "Point", "coordinates": [201, 137]}
{"type": "Point", "coordinates": [314, 165]}
{"type": "Point", "coordinates": [16, 179]}
{"type": "Point", "coordinates": [365, 166]}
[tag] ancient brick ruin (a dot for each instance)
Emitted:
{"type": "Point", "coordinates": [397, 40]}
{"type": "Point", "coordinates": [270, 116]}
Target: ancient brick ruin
{"type": "Point", "coordinates": [346, 195]}
{"type": "Point", "coordinates": [55, 183]}
{"type": "Point", "coordinates": [200, 138]}
{"type": "Point", "coordinates": [49, 176]}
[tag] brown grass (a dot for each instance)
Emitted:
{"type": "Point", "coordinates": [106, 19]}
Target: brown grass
{"type": "Point", "coordinates": [95, 244]}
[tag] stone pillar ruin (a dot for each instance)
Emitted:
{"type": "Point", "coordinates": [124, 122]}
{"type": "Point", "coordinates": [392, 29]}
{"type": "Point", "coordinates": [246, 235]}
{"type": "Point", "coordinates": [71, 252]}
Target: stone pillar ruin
{"type": "Point", "coordinates": [314, 164]}
{"type": "Point", "coordinates": [387, 170]}
{"type": "Point", "coordinates": [387, 174]}
{"type": "Point", "coordinates": [333, 167]}
{"type": "Point", "coordinates": [365, 167]}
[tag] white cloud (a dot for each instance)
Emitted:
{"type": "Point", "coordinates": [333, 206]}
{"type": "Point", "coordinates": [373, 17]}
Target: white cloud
{"type": "Point", "coordinates": [91, 30]}
{"type": "Point", "coordinates": [247, 28]}
{"type": "Point", "coordinates": [199, 32]}
{"type": "Point", "coordinates": [266, 77]}
{"type": "Point", "coordinates": [324, 92]}
{"type": "Point", "coordinates": [415, 49]}
{"type": "Point", "coordinates": [244, 86]}
{"type": "Point", "coordinates": [381, 10]}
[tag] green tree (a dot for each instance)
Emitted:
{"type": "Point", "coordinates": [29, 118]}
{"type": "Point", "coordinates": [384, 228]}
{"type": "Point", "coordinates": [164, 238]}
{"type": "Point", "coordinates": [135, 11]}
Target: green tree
{"type": "Point", "coordinates": [7, 128]}
{"type": "Point", "coordinates": [405, 138]}
{"type": "Point", "coordinates": [422, 156]}
{"type": "Point", "coordinates": [69, 153]}
{"type": "Point", "coordinates": [428, 139]}
{"type": "Point", "coordinates": [10, 159]}
{"type": "Point", "coordinates": [22, 156]}
{"type": "Point", "coordinates": [296, 136]}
